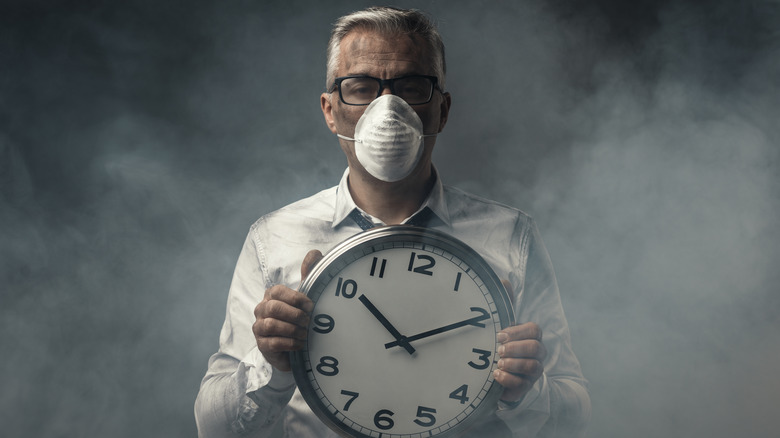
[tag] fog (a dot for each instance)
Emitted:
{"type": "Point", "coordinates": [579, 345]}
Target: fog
{"type": "Point", "coordinates": [139, 140]}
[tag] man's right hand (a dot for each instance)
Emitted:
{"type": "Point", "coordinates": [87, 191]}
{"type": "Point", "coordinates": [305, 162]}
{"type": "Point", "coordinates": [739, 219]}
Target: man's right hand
{"type": "Point", "coordinates": [282, 318]}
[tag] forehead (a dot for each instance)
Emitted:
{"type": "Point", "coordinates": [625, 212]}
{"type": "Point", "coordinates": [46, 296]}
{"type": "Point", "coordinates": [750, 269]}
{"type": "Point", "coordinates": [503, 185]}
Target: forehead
{"type": "Point", "coordinates": [383, 56]}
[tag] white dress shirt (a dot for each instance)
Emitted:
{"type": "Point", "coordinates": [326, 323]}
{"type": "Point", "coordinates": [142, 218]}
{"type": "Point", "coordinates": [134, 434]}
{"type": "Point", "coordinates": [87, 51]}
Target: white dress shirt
{"type": "Point", "coordinates": [242, 395]}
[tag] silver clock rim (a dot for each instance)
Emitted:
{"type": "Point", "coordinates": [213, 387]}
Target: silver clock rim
{"type": "Point", "coordinates": [426, 236]}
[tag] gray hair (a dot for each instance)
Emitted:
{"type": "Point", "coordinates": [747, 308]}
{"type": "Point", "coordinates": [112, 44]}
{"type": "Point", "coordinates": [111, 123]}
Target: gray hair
{"type": "Point", "coordinates": [387, 21]}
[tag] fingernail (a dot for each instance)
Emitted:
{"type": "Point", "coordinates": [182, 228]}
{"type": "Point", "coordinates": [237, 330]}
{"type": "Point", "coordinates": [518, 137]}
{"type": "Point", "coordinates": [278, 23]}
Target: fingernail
{"type": "Point", "coordinates": [501, 350]}
{"type": "Point", "coordinates": [501, 364]}
{"type": "Point", "coordinates": [496, 374]}
{"type": "Point", "coordinates": [502, 337]}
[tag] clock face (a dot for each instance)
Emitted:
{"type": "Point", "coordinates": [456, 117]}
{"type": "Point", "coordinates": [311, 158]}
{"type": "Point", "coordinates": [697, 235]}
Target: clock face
{"type": "Point", "coordinates": [402, 339]}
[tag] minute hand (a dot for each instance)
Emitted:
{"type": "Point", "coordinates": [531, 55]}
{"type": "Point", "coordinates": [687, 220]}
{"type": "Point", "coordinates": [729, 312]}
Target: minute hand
{"type": "Point", "coordinates": [471, 321]}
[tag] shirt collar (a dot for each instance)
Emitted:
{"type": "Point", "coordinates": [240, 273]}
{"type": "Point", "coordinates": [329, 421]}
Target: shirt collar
{"type": "Point", "coordinates": [345, 204]}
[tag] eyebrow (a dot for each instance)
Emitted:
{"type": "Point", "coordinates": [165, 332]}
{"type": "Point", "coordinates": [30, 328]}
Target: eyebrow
{"type": "Point", "coordinates": [411, 73]}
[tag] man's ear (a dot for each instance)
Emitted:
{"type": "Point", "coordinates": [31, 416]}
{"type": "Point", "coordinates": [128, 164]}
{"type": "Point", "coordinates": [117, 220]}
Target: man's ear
{"type": "Point", "coordinates": [327, 111]}
{"type": "Point", "coordinates": [444, 110]}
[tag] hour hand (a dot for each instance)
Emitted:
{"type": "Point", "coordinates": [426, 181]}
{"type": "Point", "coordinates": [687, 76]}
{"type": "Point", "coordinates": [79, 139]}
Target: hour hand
{"type": "Point", "coordinates": [475, 321]}
{"type": "Point", "coordinates": [399, 338]}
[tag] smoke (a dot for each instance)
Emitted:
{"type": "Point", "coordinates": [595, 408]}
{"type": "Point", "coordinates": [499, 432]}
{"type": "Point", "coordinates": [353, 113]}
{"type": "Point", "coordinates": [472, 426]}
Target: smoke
{"type": "Point", "coordinates": [139, 141]}
{"type": "Point", "coordinates": [657, 191]}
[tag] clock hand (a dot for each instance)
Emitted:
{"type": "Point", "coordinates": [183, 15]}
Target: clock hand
{"type": "Point", "coordinates": [399, 338]}
{"type": "Point", "coordinates": [475, 321]}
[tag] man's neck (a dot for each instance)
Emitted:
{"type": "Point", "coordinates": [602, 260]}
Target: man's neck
{"type": "Point", "coordinates": [391, 202]}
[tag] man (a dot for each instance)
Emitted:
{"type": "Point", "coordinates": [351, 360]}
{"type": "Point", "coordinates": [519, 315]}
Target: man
{"type": "Point", "coordinates": [386, 75]}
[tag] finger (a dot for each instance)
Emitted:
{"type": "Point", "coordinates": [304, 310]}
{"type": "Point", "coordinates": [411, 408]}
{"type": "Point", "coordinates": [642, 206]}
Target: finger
{"type": "Point", "coordinates": [279, 310]}
{"type": "Point", "coordinates": [277, 345]}
{"type": "Point", "coordinates": [530, 368]}
{"type": "Point", "coordinates": [289, 296]}
{"type": "Point", "coordinates": [269, 327]}
{"type": "Point", "coordinates": [520, 332]}
{"type": "Point", "coordinates": [527, 349]}
{"type": "Point", "coordinates": [311, 259]}
{"type": "Point", "coordinates": [515, 386]}
{"type": "Point", "coordinates": [509, 289]}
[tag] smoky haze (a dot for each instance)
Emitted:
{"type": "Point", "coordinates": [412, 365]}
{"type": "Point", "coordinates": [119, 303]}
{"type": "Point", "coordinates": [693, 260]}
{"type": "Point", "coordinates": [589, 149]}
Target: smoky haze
{"type": "Point", "coordinates": [140, 139]}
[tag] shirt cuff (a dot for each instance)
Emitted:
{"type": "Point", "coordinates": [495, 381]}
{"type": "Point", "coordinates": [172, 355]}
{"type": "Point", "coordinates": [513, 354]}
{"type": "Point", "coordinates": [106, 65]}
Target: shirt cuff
{"type": "Point", "coordinates": [537, 398]}
{"type": "Point", "coordinates": [266, 391]}
{"type": "Point", "coordinates": [261, 374]}
{"type": "Point", "coordinates": [531, 414]}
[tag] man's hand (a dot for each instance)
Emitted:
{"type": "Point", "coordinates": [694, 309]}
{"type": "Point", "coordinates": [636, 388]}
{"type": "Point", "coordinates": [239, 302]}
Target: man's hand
{"type": "Point", "coordinates": [282, 317]}
{"type": "Point", "coordinates": [521, 357]}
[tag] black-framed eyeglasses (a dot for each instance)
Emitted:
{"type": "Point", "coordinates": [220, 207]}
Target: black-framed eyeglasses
{"type": "Point", "coordinates": [362, 90]}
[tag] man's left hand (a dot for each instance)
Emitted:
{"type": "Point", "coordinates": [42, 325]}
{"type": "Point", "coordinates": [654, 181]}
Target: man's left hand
{"type": "Point", "coordinates": [521, 358]}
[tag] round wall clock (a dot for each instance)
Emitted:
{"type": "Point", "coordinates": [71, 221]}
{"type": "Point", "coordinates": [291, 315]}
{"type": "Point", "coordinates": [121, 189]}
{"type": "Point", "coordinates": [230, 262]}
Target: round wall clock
{"type": "Point", "coordinates": [402, 338]}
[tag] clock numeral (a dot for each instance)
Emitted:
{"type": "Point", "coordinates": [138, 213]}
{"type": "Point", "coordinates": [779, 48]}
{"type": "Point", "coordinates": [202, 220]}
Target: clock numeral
{"type": "Point", "coordinates": [485, 315]}
{"type": "Point", "coordinates": [352, 396]}
{"type": "Point", "coordinates": [347, 288]}
{"type": "Point", "coordinates": [425, 268]}
{"type": "Point", "coordinates": [324, 323]}
{"type": "Point", "coordinates": [381, 267]}
{"type": "Point", "coordinates": [382, 419]}
{"type": "Point", "coordinates": [484, 357]}
{"type": "Point", "coordinates": [423, 412]}
{"type": "Point", "coordinates": [457, 281]}
{"type": "Point", "coordinates": [460, 394]}
{"type": "Point", "coordinates": [328, 366]}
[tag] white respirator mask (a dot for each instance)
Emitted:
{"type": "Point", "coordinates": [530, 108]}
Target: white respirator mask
{"type": "Point", "coordinates": [389, 138]}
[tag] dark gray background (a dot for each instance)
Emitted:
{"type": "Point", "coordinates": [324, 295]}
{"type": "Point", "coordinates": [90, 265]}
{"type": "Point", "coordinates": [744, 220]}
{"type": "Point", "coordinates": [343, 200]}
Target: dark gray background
{"type": "Point", "coordinates": [140, 139]}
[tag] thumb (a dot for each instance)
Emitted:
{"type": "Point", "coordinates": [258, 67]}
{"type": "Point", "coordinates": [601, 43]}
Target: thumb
{"type": "Point", "coordinates": [311, 259]}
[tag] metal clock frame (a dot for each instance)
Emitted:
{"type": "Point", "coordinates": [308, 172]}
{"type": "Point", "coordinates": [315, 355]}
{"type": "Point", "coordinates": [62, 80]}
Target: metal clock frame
{"type": "Point", "coordinates": [378, 239]}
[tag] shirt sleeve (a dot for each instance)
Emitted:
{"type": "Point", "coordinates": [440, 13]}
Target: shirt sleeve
{"type": "Point", "coordinates": [558, 404]}
{"type": "Point", "coordinates": [241, 393]}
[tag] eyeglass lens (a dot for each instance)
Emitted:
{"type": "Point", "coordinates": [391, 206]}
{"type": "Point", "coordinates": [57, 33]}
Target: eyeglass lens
{"type": "Point", "coordinates": [414, 90]}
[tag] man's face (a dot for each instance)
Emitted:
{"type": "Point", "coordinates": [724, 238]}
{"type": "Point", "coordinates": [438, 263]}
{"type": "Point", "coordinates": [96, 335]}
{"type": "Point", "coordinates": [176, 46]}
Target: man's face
{"type": "Point", "coordinates": [383, 57]}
